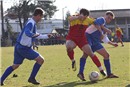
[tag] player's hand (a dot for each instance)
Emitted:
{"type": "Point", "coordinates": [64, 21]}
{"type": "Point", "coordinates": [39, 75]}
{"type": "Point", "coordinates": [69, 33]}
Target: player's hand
{"type": "Point", "coordinates": [108, 31]}
{"type": "Point", "coordinates": [35, 35]}
{"type": "Point", "coordinates": [115, 44]}
{"type": "Point", "coordinates": [81, 17]}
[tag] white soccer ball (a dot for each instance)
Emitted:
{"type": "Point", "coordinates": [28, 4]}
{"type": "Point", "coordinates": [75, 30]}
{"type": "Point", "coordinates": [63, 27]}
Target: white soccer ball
{"type": "Point", "coordinates": [94, 76]}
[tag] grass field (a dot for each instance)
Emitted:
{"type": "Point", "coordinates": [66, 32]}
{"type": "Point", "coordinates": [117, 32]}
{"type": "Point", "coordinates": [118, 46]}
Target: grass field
{"type": "Point", "coordinates": [57, 72]}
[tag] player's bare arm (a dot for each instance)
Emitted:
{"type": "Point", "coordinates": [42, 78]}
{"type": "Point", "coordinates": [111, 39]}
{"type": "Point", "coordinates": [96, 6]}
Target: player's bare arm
{"type": "Point", "coordinates": [106, 29]}
{"type": "Point", "coordinates": [72, 18]}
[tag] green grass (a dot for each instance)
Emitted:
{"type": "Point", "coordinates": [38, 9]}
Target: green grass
{"type": "Point", "coordinates": [57, 72]}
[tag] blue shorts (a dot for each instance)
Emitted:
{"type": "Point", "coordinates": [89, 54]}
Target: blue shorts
{"type": "Point", "coordinates": [94, 42]}
{"type": "Point", "coordinates": [22, 52]}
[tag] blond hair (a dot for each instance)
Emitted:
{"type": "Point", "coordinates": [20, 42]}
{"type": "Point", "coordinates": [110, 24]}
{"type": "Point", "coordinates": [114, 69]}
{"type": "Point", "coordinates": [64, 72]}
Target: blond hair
{"type": "Point", "coordinates": [110, 13]}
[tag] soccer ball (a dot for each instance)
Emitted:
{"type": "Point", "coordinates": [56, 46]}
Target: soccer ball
{"type": "Point", "coordinates": [94, 76]}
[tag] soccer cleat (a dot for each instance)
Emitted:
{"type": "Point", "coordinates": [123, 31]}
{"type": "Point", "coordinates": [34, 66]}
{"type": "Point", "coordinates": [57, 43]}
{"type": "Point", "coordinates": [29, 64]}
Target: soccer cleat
{"type": "Point", "coordinates": [81, 76]}
{"type": "Point", "coordinates": [33, 81]}
{"type": "Point", "coordinates": [112, 76]}
{"type": "Point", "coordinates": [73, 65]}
{"type": "Point", "coordinates": [103, 73]}
{"type": "Point", "coordinates": [1, 84]}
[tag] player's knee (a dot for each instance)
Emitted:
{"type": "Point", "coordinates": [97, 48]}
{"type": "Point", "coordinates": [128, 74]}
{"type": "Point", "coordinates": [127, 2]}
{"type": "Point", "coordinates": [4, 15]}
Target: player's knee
{"type": "Point", "coordinates": [84, 55]}
{"type": "Point", "coordinates": [70, 47]}
{"type": "Point", "coordinates": [106, 56]}
{"type": "Point", "coordinates": [40, 60]}
{"type": "Point", "coordinates": [15, 66]}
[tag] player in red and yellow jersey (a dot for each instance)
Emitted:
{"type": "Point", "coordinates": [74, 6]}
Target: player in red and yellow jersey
{"type": "Point", "coordinates": [76, 37]}
{"type": "Point", "coordinates": [119, 35]}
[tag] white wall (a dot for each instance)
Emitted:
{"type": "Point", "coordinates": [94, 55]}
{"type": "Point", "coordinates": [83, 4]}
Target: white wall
{"type": "Point", "coordinates": [44, 24]}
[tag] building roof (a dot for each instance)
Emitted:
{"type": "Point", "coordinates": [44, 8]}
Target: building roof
{"type": "Point", "coordinates": [117, 12]}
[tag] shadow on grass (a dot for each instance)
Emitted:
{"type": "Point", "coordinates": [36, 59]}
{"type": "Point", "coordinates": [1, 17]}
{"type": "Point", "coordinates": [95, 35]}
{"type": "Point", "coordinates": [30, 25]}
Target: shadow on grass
{"type": "Point", "coordinates": [70, 84]}
{"type": "Point", "coordinates": [67, 84]}
{"type": "Point", "coordinates": [32, 85]}
{"type": "Point", "coordinates": [128, 85]}
{"type": "Point", "coordinates": [73, 84]}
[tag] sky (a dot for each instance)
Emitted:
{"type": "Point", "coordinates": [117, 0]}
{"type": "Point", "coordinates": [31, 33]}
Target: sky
{"type": "Point", "coordinates": [73, 5]}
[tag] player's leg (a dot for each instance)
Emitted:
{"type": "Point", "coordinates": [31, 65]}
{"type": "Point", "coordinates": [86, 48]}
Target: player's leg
{"type": "Point", "coordinates": [7, 72]}
{"type": "Point", "coordinates": [81, 67]}
{"type": "Point", "coordinates": [120, 39]}
{"type": "Point", "coordinates": [107, 63]}
{"type": "Point", "coordinates": [33, 55]}
{"type": "Point", "coordinates": [70, 45]}
{"type": "Point", "coordinates": [88, 50]}
{"type": "Point", "coordinates": [18, 59]}
{"type": "Point", "coordinates": [39, 61]}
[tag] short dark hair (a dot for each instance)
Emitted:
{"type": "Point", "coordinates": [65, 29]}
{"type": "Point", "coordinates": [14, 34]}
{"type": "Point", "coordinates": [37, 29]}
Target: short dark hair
{"type": "Point", "coordinates": [38, 11]}
{"type": "Point", "coordinates": [110, 13]}
{"type": "Point", "coordinates": [85, 12]}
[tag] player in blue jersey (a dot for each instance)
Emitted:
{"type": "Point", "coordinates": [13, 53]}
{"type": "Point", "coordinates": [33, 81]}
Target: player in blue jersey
{"type": "Point", "coordinates": [23, 48]}
{"type": "Point", "coordinates": [94, 37]}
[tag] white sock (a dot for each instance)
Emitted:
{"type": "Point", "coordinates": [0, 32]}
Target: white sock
{"type": "Point", "coordinates": [73, 60]}
{"type": "Point", "coordinates": [100, 68]}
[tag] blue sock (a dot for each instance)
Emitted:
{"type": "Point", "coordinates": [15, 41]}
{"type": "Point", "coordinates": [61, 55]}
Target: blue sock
{"type": "Point", "coordinates": [7, 72]}
{"type": "Point", "coordinates": [35, 70]}
{"type": "Point", "coordinates": [108, 66]}
{"type": "Point", "coordinates": [82, 65]}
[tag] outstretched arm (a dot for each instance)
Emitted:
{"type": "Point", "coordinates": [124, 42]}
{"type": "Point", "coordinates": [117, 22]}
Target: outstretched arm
{"type": "Point", "coordinates": [45, 36]}
{"type": "Point", "coordinates": [106, 40]}
{"type": "Point", "coordinates": [71, 18]}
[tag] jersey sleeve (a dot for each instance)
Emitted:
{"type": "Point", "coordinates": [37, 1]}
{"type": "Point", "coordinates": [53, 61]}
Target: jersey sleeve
{"type": "Point", "coordinates": [28, 29]}
{"type": "Point", "coordinates": [42, 36]}
{"type": "Point", "coordinates": [99, 21]}
{"type": "Point", "coordinates": [105, 39]}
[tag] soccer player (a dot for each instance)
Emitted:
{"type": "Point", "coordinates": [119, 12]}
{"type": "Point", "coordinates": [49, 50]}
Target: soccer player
{"type": "Point", "coordinates": [94, 37]}
{"type": "Point", "coordinates": [23, 48]}
{"type": "Point", "coordinates": [76, 37]}
{"type": "Point", "coordinates": [119, 35]}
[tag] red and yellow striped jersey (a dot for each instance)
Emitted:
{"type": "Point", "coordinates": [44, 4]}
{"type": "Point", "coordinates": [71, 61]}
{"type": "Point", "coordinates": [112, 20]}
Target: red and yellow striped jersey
{"type": "Point", "coordinates": [78, 27]}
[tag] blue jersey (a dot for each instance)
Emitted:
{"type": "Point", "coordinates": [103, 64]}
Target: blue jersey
{"type": "Point", "coordinates": [25, 38]}
{"type": "Point", "coordinates": [24, 43]}
{"type": "Point", "coordinates": [93, 31]}
{"type": "Point", "coordinates": [94, 35]}
{"type": "Point", "coordinates": [100, 21]}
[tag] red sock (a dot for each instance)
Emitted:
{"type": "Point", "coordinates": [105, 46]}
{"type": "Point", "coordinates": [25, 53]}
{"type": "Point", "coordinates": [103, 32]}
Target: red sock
{"type": "Point", "coordinates": [70, 54]}
{"type": "Point", "coordinates": [96, 61]}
